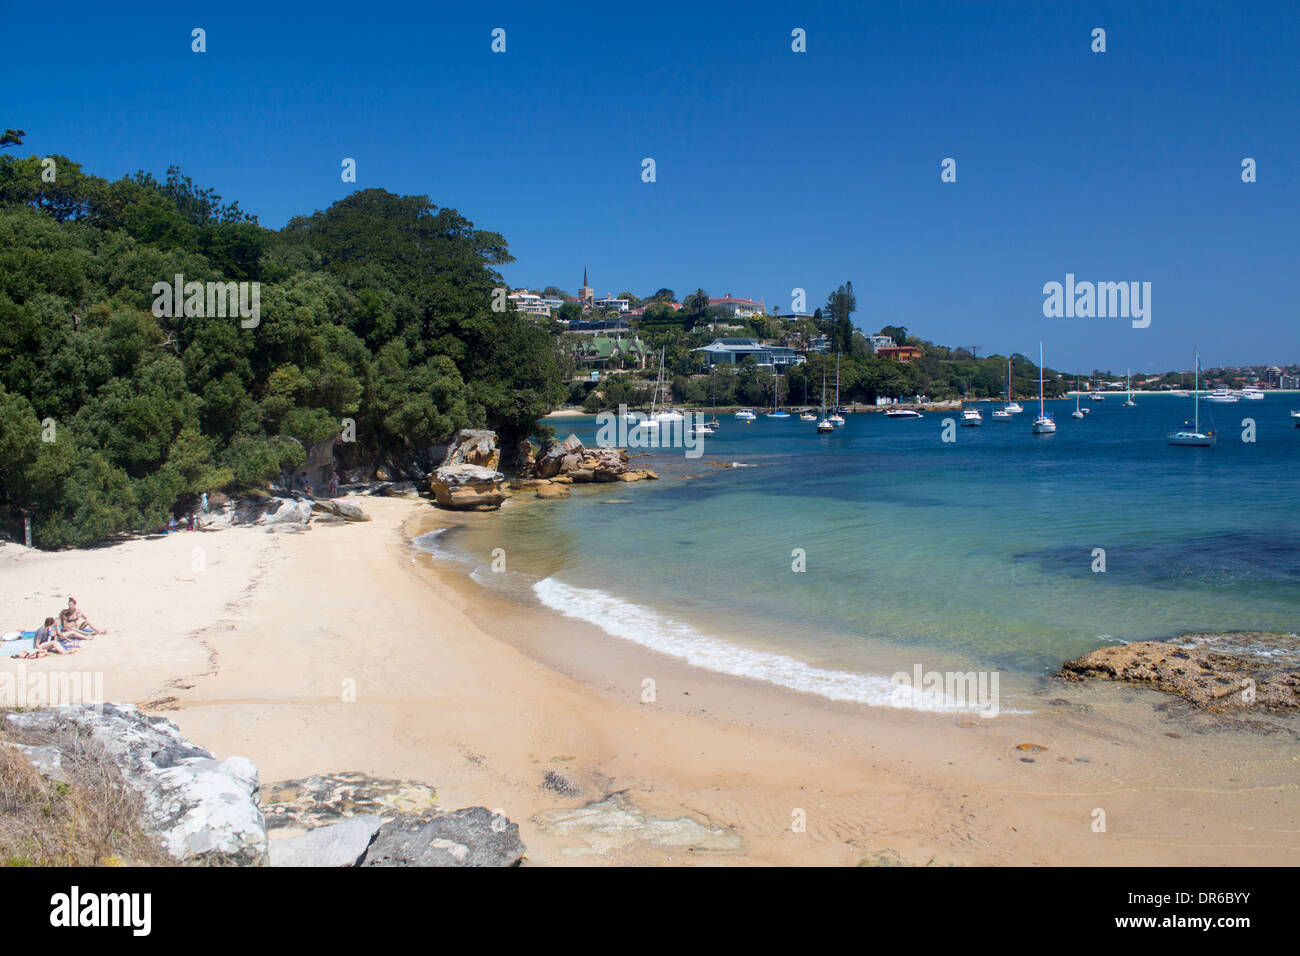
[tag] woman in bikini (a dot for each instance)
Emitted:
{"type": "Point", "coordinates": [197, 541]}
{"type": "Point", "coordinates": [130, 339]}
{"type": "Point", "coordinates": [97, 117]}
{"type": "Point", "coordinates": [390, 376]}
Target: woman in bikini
{"type": "Point", "coordinates": [79, 620]}
{"type": "Point", "coordinates": [47, 642]}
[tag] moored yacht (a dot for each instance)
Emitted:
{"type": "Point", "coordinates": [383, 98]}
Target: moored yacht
{"type": "Point", "coordinates": [1189, 433]}
{"type": "Point", "coordinates": [971, 417]}
{"type": "Point", "coordinates": [746, 415]}
{"type": "Point", "coordinates": [903, 413]}
{"type": "Point", "coordinates": [1252, 393]}
{"type": "Point", "coordinates": [1221, 396]}
{"type": "Point", "coordinates": [1043, 424]}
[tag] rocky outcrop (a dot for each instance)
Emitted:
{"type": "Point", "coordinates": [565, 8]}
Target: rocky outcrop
{"type": "Point", "coordinates": [341, 509]}
{"type": "Point", "coordinates": [474, 836]}
{"type": "Point", "coordinates": [615, 822]}
{"type": "Point", "coordinates": [468, 487]}
{"type": "Point", "coordinates": [467, 479]}
{"type": "Point", "coordinates": [474, 446]}
{"type": "Point", "coordinates": [201, 810]}
{"type": "Point", "coordinates": [356, 820]}
{"type": "Point", "coordinates": [572, 460]}
{"type": "Point", "coordinates": [549, 491]}
{"type": "Point", "coordinates": [328, 798]}
{"type": "Point", "coordinates": [334, 845]}
{"type": "Point", "coordinates": [1219, 673]}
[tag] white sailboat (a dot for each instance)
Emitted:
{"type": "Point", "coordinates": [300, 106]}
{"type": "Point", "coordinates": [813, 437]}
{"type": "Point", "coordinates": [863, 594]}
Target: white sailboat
{"type": "Point", "coordinates": [806, 415]}
{"type": "Point", "coordinates": [665, 415]}
{"type": "Point", "coordinates": [1128, 383]}
{"type": "Point", "coordinates": [1043, 424]}
{"type": "Point", "coordinates": [776, 389]}
{"type": "Point", "coordinates": [836, 418]}
{"type": "Point", "coordinates": [1189, 433]}
{"type": "Point", "coordinates": [825, 425]}
{"type": "Point", "coordinates": [1078, 412]}
{"type": "Point", "coordinates": [1012, 408]}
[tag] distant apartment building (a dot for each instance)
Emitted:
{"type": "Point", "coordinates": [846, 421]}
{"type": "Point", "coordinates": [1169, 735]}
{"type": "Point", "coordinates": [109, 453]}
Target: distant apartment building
{"type": "Point", "coordinates": [739, 308]}
{"type": "Point", "coordinates": [1290, 382]}
{"type": "Point", "coordinates": [735, 351]}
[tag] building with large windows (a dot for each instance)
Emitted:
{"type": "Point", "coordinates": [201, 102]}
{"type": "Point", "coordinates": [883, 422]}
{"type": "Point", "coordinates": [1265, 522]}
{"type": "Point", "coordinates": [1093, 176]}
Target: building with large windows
{"type": "Point", "coordinates": [735, 351]}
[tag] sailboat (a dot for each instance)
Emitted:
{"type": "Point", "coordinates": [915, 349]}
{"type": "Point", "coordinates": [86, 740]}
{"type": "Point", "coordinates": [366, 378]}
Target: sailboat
{"type": "Point", "coordinates": [1078, 412]}
{"type": "Point", "coordinates": [836, 418]}
{"type": "Point", "coordinates": [660, 397]}
{"type": "Point", "coordinates": [1004, 413]}
{"type": "Point", "coordinates": [1015, 408]}
{"type": "Point", "coordinates": [806, 415]}
{"type": "Point", "coordinates": [1128, 382]}
{"type": "Point", "coordinates": [1043, 424]}
{"type": "Point", "coordinates": [825, 425]}
{"type": "Point", "coordinates": [1189, 433]}
{"type": "Point", "coordinates": [776, 391]}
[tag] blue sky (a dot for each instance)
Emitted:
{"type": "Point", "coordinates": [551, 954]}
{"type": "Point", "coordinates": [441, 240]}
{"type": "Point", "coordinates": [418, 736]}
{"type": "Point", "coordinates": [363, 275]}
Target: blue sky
{"type": "Point", "coordinates": [775, 170]}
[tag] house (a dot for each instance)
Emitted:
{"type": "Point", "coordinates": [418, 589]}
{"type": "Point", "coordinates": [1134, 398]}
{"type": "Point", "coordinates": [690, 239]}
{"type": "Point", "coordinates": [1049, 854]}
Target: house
{"type": "Point", "coordinates": [735, 351]}
{"type": "Point", "coordinates": [529, 302]}
{"type": "Point", "coordinates": [878, 342]}
{"type": "Point", "coordinates": [612, 324]}
{"type": "Point", "coordinates": [611, 351]}
{"type": "Point", "coordinates": [905, 354]}
{"type": "Point", "coordinates": [612, 304]}
{"type": "Point", "coordinates": [739, 308]}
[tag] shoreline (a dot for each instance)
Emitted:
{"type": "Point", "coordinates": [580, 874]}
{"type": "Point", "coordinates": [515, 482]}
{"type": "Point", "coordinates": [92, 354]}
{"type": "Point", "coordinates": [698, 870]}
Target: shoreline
{"type": "Point", "coordinates": [482, 697]}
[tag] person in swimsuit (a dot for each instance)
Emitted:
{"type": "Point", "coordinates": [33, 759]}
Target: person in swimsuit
{"type": "Point", "coordinates": [79, 620]}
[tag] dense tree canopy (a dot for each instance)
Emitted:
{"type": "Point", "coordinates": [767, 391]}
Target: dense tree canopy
{"type": "Point", "coordinates": [377, 310]}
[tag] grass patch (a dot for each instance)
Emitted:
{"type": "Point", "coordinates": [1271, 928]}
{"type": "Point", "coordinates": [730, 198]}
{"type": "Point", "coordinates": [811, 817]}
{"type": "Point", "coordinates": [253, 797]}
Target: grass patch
{"type": "Point", "coordinates": [90, 819]}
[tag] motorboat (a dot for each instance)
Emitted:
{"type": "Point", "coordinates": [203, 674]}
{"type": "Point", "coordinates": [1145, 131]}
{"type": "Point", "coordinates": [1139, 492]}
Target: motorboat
{"type": "Point", "coordinates": [1253, 394]}
{"type": "Point", "coordinates": [1002, 414]}
{"type": "Point", "coordinates": [971, 418]}
{"type": "Point", "coordinates": [903, 413]}
{"type": "Point", "coordinates": [746, 415]}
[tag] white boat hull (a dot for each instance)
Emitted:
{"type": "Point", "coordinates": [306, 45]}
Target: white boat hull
{"type": "Point", "coordinates": [1191, 438]}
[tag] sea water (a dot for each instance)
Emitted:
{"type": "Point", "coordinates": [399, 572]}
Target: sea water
{"type": "Point", "coordinates": [826, 563]}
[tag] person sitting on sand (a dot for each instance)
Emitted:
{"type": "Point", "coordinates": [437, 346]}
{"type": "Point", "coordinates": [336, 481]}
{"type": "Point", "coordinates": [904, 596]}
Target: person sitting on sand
{"type": "Point", "coordinates": [65, 628]}
{"type": "Point", "coordinates": [47, 641]}
{"type": "Point", "coordinates": [79, 620]}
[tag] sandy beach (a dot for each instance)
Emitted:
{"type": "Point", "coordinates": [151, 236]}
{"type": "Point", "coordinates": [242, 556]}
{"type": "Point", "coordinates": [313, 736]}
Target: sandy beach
{"type": "Point", "coordinates": [344, 648]}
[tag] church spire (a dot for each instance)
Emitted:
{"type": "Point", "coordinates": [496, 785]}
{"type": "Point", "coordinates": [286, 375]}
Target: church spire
{"type": "Point", "coordinates": [584, 277]}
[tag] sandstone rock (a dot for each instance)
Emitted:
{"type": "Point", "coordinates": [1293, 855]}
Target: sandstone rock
{"type": "Point", "coordinates": [581, 475]}
{"type": "Point", "coordinates": [1232, 679]}
{"type": "Point", "coordinates": [336, 844]}
{"type": "Point", "coordinates": [523, 484]}
{"type": "Point", "coordinates": [468, 487]}
{"type": "Point", "coordinates": [201, 809]}
{"type": "Point", "coordinates": [474, 446]}
{"type": "Point", "coordinates": [345, 509]}
{"type": "Point", "coordinates": [471, 837]}
{"type": "Point", "coordinates": [548, 491]}
{"type": "Point", "coordinates": [322, 799]}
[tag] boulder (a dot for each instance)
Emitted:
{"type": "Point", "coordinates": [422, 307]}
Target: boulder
{"type": "Point", "coordinates": [202, 810]}
{"type": "Point", "coordinates": [638, 474]}
{"type": "Point", "coordinates": [474, 446]}
{"type": "Point", "coordinates": [549, 491]}
{"type": "Point", "coordinates": [349, 511]}
{"type": "Point", "coordinates": [474, 836]}
{"type": "Point", "coordinates": [524, 461]}
{"type": "Point", "coordinates": [337, 844]}
{"type": "Point", "coordinates": [325, 798]}
{"type": "Point", "coordinates": [468, 487]}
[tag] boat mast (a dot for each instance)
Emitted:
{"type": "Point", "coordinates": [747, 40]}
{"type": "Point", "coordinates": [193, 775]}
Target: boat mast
{"type": "Point", "coordinates": [1040, 378]}
{"type": "Point", "coordinates": [1197, 401]}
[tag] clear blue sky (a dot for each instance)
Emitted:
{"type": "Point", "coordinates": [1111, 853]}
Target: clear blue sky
{"type": "Point", "coordinates": [775, 170]}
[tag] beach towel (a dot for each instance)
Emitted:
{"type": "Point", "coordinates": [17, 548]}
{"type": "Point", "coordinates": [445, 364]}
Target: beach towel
{"type": "Point", "coordinates": [15, 647]}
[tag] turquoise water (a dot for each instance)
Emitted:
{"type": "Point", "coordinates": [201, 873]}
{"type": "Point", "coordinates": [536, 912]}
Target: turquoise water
{"type": "Point", "coordinates": [976, 553]}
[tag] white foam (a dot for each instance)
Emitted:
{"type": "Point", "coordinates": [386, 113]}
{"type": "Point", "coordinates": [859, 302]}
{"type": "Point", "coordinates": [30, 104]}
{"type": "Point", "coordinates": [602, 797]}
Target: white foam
{"type": "Point", "coordinates": [644, 626]}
